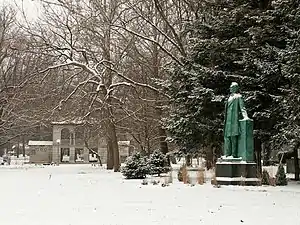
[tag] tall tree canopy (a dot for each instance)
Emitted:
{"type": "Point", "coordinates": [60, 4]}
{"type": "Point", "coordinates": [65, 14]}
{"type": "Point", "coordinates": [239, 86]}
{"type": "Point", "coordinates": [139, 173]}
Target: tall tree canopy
{"type": "Point", "coordinates": [254, 43]}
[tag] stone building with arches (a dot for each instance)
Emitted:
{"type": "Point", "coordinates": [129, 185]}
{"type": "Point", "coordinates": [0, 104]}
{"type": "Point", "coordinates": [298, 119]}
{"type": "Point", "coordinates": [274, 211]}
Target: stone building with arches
{"type": "Point", "coordinates": [68, 144]}
{"type": "Point", "coordinates": [71, 144]}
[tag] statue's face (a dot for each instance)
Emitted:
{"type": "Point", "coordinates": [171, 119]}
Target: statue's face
{"type": "Point", "coordinates": [234, 89]}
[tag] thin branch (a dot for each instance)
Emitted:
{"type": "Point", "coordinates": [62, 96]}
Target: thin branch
{"type": "Point", "coordinates": [160, 10]}
{"type": "Point", "coordinates": [153, 41]}
{"type": "Point", "coordinates": [179, 47]}
{"type": "Point", "coordinates": [130, 81]}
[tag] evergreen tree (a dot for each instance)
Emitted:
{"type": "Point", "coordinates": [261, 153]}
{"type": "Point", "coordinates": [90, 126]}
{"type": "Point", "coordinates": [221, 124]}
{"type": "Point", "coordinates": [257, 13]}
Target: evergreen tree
{"type": "Point", "coordinates": [135, 167]}
{"type": "Point", "coordinates": [158, 163]}
{"type": "Point", "coordinates": [254, 43]}
{"type": "Point", "coordinates": [265, 179]}
{"type": "Point", "coordinates": [280, 176]}
{"type": "Point", "coordinates": [289, 127]}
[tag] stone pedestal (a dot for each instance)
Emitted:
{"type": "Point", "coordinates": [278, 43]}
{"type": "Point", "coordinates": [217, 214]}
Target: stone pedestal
{"type": "Point", "coordinates": [290, 165]}
{"type": "Point", "coordinates": [245, 140]}
{"type": "Point", "coordinates": [236, 172]}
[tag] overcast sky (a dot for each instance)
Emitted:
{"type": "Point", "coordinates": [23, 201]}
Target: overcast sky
{"type": "Point", "coordinates": [31, 7]}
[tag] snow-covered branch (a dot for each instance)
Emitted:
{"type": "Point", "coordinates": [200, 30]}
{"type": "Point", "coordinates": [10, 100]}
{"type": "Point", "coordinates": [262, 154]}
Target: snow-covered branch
{"type": "Point", "coordinates": [131, 82]}
{"type": "Point", "coordinates": [179, 46]}
{"type": "Point", "coordinates": [153, 41]}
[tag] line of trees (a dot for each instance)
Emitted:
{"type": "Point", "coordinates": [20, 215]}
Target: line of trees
{"type": "Point", "coordinates": [103, 62]}
{"type": "Point", "coordinates": [254, 43]}
{"type": "Point", "coordinates": [151, 68]}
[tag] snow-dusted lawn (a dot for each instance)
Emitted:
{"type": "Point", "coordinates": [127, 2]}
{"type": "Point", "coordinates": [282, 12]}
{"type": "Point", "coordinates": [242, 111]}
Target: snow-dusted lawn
{"type": "Point", "coordinates": [85, 195]}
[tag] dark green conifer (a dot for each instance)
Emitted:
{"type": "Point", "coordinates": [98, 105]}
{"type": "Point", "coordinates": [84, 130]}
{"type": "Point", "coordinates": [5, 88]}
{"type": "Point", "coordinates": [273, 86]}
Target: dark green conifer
{"type": "Point", "coordinates": [280, 176]}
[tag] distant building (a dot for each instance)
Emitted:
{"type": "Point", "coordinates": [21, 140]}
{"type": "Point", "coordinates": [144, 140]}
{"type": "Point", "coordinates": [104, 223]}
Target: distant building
{"type": "Point", "coordinates": [40, 151]}
{"type": "Point", "coordinates": [69, 145]}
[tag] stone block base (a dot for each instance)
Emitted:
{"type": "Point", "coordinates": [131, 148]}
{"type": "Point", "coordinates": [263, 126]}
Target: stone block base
{"type": "Point", "coordinates": [290, 166]}
{"type": "Point", "coordinates": [236, 173]}
{"type": "Point", "coordinates": [238, 181]}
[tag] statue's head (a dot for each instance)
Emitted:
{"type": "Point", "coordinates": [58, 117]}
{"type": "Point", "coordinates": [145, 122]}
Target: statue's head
{"type": "Point", "coordinates": [234, 87]}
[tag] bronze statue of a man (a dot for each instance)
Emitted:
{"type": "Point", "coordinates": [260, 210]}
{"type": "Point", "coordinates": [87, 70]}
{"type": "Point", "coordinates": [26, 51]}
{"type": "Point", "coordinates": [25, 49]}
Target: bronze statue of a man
{"type": "Point", "coordinates": [234, 110]}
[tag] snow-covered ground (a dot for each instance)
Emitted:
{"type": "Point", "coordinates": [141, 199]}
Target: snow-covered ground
{"type": "Point", "coordinates": [86, 195]}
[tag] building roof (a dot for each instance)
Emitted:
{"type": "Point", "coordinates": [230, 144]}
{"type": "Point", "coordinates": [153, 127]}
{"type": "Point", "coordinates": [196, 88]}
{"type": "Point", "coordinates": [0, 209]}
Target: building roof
{"type": "Point", "coordinates": [40, 143]}
{"type": "Point", "coordinates": [124, 142]}
{"type": "Point", "coordinates": [68, 122]}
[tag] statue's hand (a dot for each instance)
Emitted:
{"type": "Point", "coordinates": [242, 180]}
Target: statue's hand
{"type": "Point", "coordinates": [245, 115]}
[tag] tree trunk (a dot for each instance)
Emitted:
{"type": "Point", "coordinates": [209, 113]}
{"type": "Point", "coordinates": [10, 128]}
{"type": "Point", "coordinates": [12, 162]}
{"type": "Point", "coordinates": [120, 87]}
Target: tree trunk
{"type": "Point", "coordinates": [296, 162]}
{"type": "Point", "coordinates": [110, 156]}
{"type": "Point", "coordinates": [258, 150]}
{"type": "Point", "coordinates": [113, 160]}
{"type": "Point", "coordinates": [188, 160]}
{"type": "Point", "coordinates": [156, 72]}
{"type": "Point", "coordinates": [115, 147]}
{"type": "Point", "coordinates": [18, 147]}
{"type": "Point", "coordinates": [266, 153]}
{"type": "Point", "coordinates": [94, 152]}
{"type": "Point", "coordinates": [23, 145]}
{"type": "Point", "coordinates": [162, 140]}
{"type": "Point", "coordinates": [162, 133]}
{"type": "Point", "coordinates": [208, 157]}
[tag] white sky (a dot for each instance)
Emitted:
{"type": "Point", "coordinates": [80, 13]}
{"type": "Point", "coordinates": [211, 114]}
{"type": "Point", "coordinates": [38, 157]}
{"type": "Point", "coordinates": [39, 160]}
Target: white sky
{"type": "Point", "coordinates": [31, 7]}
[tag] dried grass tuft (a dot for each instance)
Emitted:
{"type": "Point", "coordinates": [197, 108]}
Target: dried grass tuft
{"type": "Point", "coordinates": [185, 176]}
{"type": "Point", "coordinates": [201, 176]}
{"type": "Point", "coordinates": [214, 180]}
{"type": "Point", "coordinates": [272, 181]}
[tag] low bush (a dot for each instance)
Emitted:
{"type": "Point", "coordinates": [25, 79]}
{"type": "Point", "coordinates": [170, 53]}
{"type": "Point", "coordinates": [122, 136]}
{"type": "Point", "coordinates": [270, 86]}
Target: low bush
{"type": "Point", "coordinates": [265, 179]}
{"type": "Point", "coordinates": [158, 163]}
{"type": "Point", "coordinates": [136, 167]}
{"type": "Point", "coordinates": [280, 176]}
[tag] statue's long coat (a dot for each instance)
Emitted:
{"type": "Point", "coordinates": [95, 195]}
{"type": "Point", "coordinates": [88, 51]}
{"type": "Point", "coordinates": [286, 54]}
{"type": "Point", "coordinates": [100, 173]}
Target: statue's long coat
{"type": "Point", "coordinates": [233, 111]}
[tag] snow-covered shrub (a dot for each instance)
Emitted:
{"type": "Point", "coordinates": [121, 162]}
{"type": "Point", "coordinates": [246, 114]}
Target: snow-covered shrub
{"type": "Point", "coordinates": [158, 163]}
{"type": "Point", "coordinates": [135, 167]}
{"type": "Point", "coordinates": [144, 182]}
{"type": "Point", "coordinates": [280, 176]}
{"type": "Point", "coordinates": [265, 179]}
{"type": "Point", "coordinates": [155, 182]}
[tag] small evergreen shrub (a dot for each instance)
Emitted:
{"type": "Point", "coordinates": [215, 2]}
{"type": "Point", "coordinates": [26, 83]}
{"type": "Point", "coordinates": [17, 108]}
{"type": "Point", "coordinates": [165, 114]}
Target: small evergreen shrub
{"type": "Point", "coordinates": [135, 167]}
{"type": "Point", "coordinates": [144, 182]}
{"type": "Point", "coordinates": [158, 163]}
{"type": "Point", "coordinates": [280, 176]}
{"type": "Point", "coordinates": [265, 179]}
{"type": "Point", "coordinates": [155, 182]}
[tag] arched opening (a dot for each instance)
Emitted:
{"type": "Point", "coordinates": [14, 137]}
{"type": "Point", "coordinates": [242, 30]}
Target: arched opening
{"type": "Point", "coordinates": [65, 155]}
{"type": "Point", "coordinates": [79, 135]}
{"type": "Point", "coordinates": [93, 155]}
{"type": "Point", "coordinates": [65, 136]}
{"type": "Point", "coordinates": [65, 145]}
{"type": "Point", "coordinates": [79, 155]}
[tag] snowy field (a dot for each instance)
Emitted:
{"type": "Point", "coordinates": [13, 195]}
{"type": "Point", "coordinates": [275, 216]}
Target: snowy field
{"type": "Point", "coordinates": [86, 195]}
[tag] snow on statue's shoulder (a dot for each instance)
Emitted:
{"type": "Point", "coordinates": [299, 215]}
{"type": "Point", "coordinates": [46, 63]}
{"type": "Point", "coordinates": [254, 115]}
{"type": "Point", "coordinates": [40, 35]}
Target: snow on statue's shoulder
{"type": "Point", "coordinates": [234, 96]}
